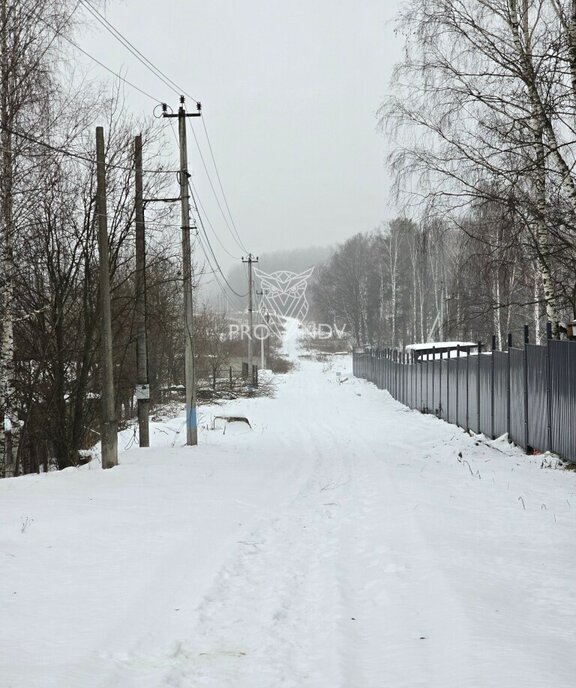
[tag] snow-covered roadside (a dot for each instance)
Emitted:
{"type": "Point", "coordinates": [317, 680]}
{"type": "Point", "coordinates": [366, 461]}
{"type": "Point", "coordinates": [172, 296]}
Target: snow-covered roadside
{"type": "Point", "coordinates": [341, 542]}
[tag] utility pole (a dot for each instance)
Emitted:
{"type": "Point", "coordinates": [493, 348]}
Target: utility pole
{"type": "Point", "coordinates": [250, 260]}
{"type": "Point", "coordinates": [190, 381]}
{"type": "Point", "coordinates": [142, 388]}
{"type": "Point", "coordinates": [109, 429]}
{"type": "Point", "coordinates": [262, 361]}
{"type": "Point", "coordinates": [268, 339]}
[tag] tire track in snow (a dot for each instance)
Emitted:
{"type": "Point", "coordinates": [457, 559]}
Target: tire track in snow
{"type": "Point", "coordinates": [279, 585]}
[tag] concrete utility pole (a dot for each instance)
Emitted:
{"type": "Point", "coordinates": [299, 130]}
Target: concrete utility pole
{"type": "Point", "coordinates": [190, 382]}
{"type": "Point", "coordinates": [250, 260]}
{"type": "Point", "coordinates": [109, 429]}
{"type": "Point", "coordinates": [262, 361]}
{"type": "Point", "coordinates": [142, 388]}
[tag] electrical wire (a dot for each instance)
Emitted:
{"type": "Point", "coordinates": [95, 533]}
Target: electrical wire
{"type": "Point", "coordinates": [241, 244]}
{"type": "Point", "coordinates": [66, 152]}
{"type": "Point", "coordinates": [111, 71]}
{"type": "Point", "coordinates": [217, 264]}
{"type": "Point", "coordinates": [194, 194]}
{"type": "Point", "coordinates": [207, 253]}
{"type": "Point", "coordinates": [108, 26]}
{"type": "Point", "coordinates": [227, 294]}
{"type": "Point", "coordinates": [236, 239]}
{"type": "Point", "coordinates": [201, 206]}
{"type": "Point", "coordinates": [95, 59]}
{"type": "Point", "coordinates": [135, 52]}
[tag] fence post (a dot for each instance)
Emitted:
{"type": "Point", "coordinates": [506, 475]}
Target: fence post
{"type": "Point", "coordinates": [492, 388]}
{"type": "Point", "coordinates": [440, 389]}
{"type": "Point", "coordinates": [447, 385]}
{"type": "Point", "coordinates": [468, 391]}
{"type": "Point", "coordinates": [401, 372]}
{"type": "Point", "coordinates": [508, 389]}
{"type": "Point", "coordinates": [421, 383]}
{"type": "Point", "coordinates": [414, 374]}
{"type": "Point", "coordinates": [457, 382]}
{"type": "Point", "coordinates": [433, 376]}
{"type": "Point", "coordinates": [549, 384]}
{"type": "Point", "coordinates": [526, 428]}
{"type": "Point", "coordinates": [478, 387]}
{"type": "Point", "coordinates": [427, 383]}
{"type": "Point", "coordinates": [405, 377]}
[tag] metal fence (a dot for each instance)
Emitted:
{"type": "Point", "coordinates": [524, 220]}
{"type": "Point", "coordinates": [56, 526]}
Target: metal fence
{"type": "Point", "coordinates": [528, 392]}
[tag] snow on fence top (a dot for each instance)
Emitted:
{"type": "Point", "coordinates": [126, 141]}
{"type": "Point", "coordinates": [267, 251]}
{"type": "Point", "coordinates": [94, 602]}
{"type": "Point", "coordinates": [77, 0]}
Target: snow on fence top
{"type": "Point", "coordinates": [442, 349]}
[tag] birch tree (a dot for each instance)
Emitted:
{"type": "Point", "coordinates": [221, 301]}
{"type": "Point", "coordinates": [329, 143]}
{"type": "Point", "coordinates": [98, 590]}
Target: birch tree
{"type": "Point", "coordinates": [483, 106]}
{"type": "Point", "coordinates": [28, 48]}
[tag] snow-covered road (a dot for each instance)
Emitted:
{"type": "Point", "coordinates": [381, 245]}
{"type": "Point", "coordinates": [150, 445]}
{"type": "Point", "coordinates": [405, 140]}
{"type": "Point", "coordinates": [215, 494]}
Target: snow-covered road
{"type": "Point", "coordinates": [340, 543]}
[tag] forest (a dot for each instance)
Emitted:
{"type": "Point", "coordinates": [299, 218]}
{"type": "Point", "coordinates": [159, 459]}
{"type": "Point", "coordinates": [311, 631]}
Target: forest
{"type": "Point", "coordinates": [481, 120]}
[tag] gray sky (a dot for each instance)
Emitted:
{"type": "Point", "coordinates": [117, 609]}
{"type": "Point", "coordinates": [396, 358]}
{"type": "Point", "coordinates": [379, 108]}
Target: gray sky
{"type": "Point", "coordinates": [289, 89]}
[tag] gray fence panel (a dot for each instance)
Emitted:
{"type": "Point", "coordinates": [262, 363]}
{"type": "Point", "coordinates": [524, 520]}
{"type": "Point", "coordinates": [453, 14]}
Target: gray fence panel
{"type": "Point", "coordinates": [563, 384]}
{"type": "Point", "coordinates": [486, 394]}
{"type": "Point", "coordinates": [463, 393]}
{"type": "Point", "coordinates": [451, 388]}
{"type": "Point", "coordinates": [431, 372]}
{"type": "Point", "coordinates": [500, 392]}
{"type": "Point", "coordinates": [433, 386]}
{"type": "Point", "coordinates": [517, 430]}
{"type": "Point", "coordinates": [473, 393]}
{"type": "Point", "coordinates": [537, 397]}
{"type": "Point", "coordinates": [443, 387]}
{"type": "Point", "coordinates": [451, 378]}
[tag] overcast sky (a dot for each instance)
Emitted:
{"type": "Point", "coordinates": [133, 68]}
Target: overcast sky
{"type": "Point", "coordinates": [289, 89]}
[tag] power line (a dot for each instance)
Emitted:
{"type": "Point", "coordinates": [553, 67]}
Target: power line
{"type": "Point", "coordinates": [201, 206]}
{"type": "Point", "coordinates": [227, 293]}
{"type": "Point", "coordinates": [216, 272]}
{"type": "Point", "coordinates": [210, 246]}
{"type": "Point", "coordinates": [235, 238]}
{"type": "Point", "coordinates": [72, 154]}
{"type": "Point", "coordinates": [134, 51]}
{"type": "Point", "coordinates": [108, 26]}
{"type": "Point", "coordinates": [111, 71]}
{"type": "Point", "coordinates": [222, 188]}
{"type": "Point", "coordinates": [95, 59]}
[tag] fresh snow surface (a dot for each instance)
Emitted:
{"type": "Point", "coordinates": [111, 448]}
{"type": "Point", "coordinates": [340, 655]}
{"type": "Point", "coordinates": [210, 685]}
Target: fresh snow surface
{"type": "Point", "coordinates": [340, 543]}
{"type": "Point", "coordinates": [438, 345]}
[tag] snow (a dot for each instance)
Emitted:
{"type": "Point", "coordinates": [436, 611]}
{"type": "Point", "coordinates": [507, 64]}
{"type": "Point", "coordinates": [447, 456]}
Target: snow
{"type": "Point", "coordinates": [340, 542]}
{"type": "Point", "coordinates": [438, 345]}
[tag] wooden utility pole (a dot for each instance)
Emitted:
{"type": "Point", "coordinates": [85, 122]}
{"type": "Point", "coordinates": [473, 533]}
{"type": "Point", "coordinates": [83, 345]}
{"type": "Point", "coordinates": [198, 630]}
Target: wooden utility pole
{"type": "Point", "coordinates": [250, 260]}
{"type": "Point", "coordinates": [190, 382]}
{"type": "Point", "coordinates": [109, 429]}
{"type": "Point", "coordinates": [142, 388]}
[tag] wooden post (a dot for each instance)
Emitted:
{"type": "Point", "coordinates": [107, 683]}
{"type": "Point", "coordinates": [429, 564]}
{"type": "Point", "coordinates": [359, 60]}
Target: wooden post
{"type": "Point", "coordinates": [143, 388]}
{"type": "Point", "coordinates": [109, 430]}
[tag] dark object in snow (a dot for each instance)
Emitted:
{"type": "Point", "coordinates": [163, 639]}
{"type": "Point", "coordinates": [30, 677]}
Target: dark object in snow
{"type": "Point", "coordinates": [230, 419]}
